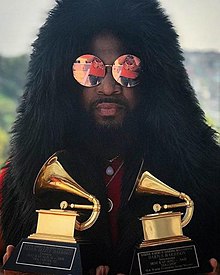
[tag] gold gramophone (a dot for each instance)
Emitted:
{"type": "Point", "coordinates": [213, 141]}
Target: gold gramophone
{"type": "Point", "coordinates": [59, 224]}
{"type": "Point", "coordinates": [164, 248]}
{"type": "Point", "coordinates": [167, 226]}
{"type": "Point", "coordinates": [53, 248]}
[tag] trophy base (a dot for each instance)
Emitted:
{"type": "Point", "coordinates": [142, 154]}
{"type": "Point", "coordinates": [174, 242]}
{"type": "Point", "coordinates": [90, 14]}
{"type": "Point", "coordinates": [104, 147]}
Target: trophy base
{"type": "Point", "coordinates": [169, 258]}
{"type": "Point", "coordinates": [176, 239]}
{"type": "Point", "coordinates": [52, 237]}
{"type": "Point", "coordinates": [42, 256]}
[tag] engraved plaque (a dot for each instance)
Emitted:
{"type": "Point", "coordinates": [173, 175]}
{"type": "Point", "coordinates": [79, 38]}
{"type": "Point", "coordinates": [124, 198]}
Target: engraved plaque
{"type": "Point", "coordinates": [45, 256]}
{"type": "Point", "coordinates": [178, 258]}
{"type": "Point", "coordinates": [167, 260]}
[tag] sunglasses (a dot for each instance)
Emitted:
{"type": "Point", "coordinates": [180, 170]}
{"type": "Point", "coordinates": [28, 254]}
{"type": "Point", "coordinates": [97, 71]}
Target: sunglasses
{"type": "Point", "coordinates": [89, 70]}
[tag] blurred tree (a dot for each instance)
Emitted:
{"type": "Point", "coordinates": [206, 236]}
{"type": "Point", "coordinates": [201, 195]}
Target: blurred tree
{"type": "Point", "coordinates": [12, 80]}
{"type": "Point", "coordinates": [12, 75]}
{"type": "Point", "coordinates": [7, 112]}
{"type": "Point", "coordinates": [3, 146]}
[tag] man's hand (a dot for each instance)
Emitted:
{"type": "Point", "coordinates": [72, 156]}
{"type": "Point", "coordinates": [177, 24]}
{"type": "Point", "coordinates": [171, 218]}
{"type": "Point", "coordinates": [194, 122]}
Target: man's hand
{"type": "Point", "coordinates": [8, 253]}
{"type": "Point", "coordinates": [103, 270]}
{"type": "Point", "coordinates": [216, 267]}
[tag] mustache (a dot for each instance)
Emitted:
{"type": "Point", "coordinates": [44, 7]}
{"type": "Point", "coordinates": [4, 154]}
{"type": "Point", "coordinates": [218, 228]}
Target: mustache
{"type": "Point", "coordinates": [119, 101]}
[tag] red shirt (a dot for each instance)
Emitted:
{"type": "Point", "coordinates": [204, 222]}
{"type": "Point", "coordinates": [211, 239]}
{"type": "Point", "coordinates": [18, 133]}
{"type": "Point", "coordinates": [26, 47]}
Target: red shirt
{"type": "Point", "coordinates": [2, 176]}
{"type": "Point", "coordinates": [113, 185]}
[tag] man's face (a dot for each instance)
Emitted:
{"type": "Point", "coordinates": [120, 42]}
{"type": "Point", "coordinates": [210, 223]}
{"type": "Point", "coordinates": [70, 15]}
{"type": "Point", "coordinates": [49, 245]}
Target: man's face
{"type": "Point", "coordinates": [109, 103]}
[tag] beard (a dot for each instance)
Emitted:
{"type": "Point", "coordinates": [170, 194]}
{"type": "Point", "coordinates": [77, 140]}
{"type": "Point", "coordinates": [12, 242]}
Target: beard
{"type": "Point", "coordinates": [108, 113]}
{"type": "Point", "coordinates": [111, 133]}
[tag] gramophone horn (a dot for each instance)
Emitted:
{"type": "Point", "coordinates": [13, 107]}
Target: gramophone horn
{"type": "Point", "coordinates": [151, 185]}
{"type": "Point", "coordinates": [53, 176]}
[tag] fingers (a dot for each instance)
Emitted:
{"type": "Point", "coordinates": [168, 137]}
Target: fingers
{"type": "Point", "coordinates": [8, 253]}
{"type": "Point", "coordinates": [102, 270]}
{"type": "Point", "coordinates": [215, 265]}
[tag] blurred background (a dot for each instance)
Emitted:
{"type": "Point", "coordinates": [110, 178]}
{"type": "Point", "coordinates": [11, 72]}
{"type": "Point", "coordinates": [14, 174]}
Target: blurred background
{"type": "Point", "coordinates": [196, 22]}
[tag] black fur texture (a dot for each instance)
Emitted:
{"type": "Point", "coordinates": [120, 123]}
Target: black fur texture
{"type": "Point", "coordinates": [178, 146]}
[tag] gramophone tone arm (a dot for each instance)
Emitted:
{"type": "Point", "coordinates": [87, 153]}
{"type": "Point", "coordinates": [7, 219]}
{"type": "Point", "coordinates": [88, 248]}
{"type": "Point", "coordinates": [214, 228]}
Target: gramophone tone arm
{"type": "Point", "coordinates": [65, 205]}
{"type": "Point", "coordinates": [93, 217]}
{"type": "Point", "coordinates": [188, 204]}
{"type": "Point", "coordinates": [157, 207]}
{"type": "Point", "coordinates": [189, 209]}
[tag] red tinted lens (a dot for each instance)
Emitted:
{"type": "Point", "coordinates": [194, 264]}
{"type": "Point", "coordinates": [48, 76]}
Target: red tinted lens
{"type": "Point", "coordinates": [126, 70]}
{"type": "Point", "coordinates": [88, 70]}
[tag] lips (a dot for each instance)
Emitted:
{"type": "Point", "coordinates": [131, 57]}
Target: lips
{"type": "Point", "coordinates": [108, 109]}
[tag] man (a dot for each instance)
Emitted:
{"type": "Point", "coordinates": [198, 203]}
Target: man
{"type": "Point", "coordinates": [111, 131]}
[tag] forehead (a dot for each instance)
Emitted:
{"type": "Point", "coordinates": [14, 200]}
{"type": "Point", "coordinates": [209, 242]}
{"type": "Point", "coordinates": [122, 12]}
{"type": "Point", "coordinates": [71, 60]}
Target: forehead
{"type": "Point", "coordinates": [107, 47]}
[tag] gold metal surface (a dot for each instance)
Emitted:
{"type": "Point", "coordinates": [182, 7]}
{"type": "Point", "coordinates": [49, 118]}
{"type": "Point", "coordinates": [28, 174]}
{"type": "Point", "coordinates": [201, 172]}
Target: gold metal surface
{"type": "Point", "coordinates": [171, 240]}
{"type": "Point", "coordinates": [151, 185]}
{"type": "Point", "coordinates": [166, 227]}
{"type": "Point", "coordinates": [55, 225]}
{"type": "Point", "coordinates": [53, 176]}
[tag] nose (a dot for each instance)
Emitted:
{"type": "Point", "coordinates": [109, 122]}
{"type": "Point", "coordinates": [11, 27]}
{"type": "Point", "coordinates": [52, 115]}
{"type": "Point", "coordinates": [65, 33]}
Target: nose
{"type": "Point", "coordinates": [108, 85]}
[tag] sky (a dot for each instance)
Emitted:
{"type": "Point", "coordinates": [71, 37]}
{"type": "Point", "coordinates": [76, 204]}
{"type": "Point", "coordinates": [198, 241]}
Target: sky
{"type": "Point", "coordinates": [196, 21]}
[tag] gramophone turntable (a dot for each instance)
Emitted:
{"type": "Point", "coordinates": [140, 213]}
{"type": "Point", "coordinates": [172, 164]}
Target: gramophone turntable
{"type": "Point", "coordinates": [53, 248]}
{"type": "Point", "coordinates": [164, 249]}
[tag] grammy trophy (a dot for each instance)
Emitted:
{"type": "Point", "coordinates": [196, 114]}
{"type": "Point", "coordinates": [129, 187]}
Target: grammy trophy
{"type": "Point", "coordinates": [164, 249]}
{"type": "Point", "coordinates": [53, 248]}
